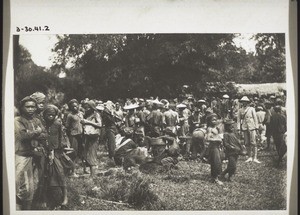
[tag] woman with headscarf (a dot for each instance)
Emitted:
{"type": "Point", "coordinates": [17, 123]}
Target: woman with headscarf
{"type": "Point", "coordinates": [40, 102]}
{"type": "Point", "coordinates": [56, 174]}
{"type": "Point", "coordinates": [29, 136]}
{"type": "Point", "coordinates": [92, 123]}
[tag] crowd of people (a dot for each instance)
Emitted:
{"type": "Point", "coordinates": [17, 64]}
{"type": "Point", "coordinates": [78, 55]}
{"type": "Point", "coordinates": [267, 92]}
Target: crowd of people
{"type": "Point", "coordinates": [50, 140]}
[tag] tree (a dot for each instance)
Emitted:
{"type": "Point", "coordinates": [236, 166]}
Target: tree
{"type": "Point", "coordinates": [144, 64]}
{"type": "Point", "coordinates": [30, 78]}
{"type": "Point", "coordinates": [270, 50]}
{"type": "Point", "coordinates": [139, 65]}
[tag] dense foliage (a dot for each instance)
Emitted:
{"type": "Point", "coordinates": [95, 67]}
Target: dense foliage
{"type": "Point", "coordinates": [109, 66]}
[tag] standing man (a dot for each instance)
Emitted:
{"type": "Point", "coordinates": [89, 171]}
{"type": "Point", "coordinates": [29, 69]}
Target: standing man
{"type": "Point", "coordinates": [267, 119]}
{"type": "Point", "coordinates": [225, 107]}
{"type": "Point", "coordinates": [111, 130]}
{"type": "Point", "coordinates": [278, 129]}
{"type": "Point", "coordinates": [75, 130]}
{"type": "Point", "coordinates": [30, 135]}
{"type": "Point", "coordinates": [119, 112]}
{"type": "Point", "coordinates": [261, 127]}
{"type": "Point", "coordinates": [248, 123]}
{"type": "Point", "coordinates": [171, 117]}
{"type": "Point", "coordinates": [156, 119]}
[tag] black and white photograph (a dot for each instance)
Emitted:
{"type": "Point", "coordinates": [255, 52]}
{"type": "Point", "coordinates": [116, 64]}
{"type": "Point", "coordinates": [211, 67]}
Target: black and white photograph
{"type": "Point", "coordinates": [150, 122]}
{"type": "Point", "coordinates": [145, 107]}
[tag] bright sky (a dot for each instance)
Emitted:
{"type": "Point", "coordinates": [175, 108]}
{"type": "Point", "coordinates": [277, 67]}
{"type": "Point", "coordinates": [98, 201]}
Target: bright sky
{"type": "Point", "coordinates": [40, 46]}
{"type": "Point", "coordinates": [245, 41]}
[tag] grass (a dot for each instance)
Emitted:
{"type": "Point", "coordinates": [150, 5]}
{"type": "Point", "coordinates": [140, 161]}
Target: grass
{"type": "Point", "coordinates": [255, 187]}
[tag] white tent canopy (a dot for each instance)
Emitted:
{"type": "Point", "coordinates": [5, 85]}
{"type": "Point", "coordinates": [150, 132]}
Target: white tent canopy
{"type": "Point", "coordinates": [261, 89]}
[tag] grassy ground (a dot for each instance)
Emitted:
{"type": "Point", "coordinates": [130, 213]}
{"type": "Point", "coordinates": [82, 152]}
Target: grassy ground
{"type": "Point", "coordinates": [255, 187]}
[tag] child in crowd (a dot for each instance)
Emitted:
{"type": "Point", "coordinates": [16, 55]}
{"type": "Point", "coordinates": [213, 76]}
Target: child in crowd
{"type": "Point", "coordinates": [215, 141]}
{"type": "Point", "coordinates": [56, 170]}
{"type": "Point", "coordinates": [232, 149]}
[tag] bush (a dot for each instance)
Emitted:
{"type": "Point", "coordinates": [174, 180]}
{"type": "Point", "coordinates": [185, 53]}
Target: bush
{"type": "Point", "coordinates": [142, 197]}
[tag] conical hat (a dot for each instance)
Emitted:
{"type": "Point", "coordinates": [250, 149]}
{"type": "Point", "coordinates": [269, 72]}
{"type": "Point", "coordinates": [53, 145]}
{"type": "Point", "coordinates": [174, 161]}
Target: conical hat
{"type": "Point", "coordinates": [244, 99]}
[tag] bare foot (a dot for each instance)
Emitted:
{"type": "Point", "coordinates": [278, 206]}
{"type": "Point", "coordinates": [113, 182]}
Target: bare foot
{"type": "Point", "coordinates": [65, 202]}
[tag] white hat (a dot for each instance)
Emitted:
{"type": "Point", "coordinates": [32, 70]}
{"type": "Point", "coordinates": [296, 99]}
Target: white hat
{"type": "Point", "coordinates": [164, 101]}
{"type": "Point", "coordinates": [226, 96]}
{"type": "Point", "coordinates": [181, 106]}
{"type": "Point", "coordinates": [131, 106]}
{"type": "Point", "coordinates": [156, 102]}
{"type": "Point", "coordinates": [100, 107]}
{"type": "Point", "coordinates": [201, 101]}
{"type": "Point", "coordinates": [259, 107]}
{"type": "Point", "coordinates": [244, 99]}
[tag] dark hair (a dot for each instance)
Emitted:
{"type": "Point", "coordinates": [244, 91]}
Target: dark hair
{"type": "Point", "coordinates": [210, 117]}
{"type": "Point", "coordinates": [277, 108]}
{"type": "Point", "coordinates": [72, 101]}
{"type": "Point", "coordinates": [226, 127]}
{"type": "Point", "coordinates": [23, 102]}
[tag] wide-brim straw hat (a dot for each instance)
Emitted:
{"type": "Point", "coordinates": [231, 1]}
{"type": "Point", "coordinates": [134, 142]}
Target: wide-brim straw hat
{"type": "Point", "coordinates": [91, 104]}
{"type": "Point", "coordinates": [157, 102]}
{"type": "Point", "coordinates": [244, 99]}
{"type": "Point", "coordinates": [259, 107]}
{"type": "Point", "coordinates": [131, 106]}
{"type": "Point", "coordinates": [201, 101]}
{"type": "Point", "coordinates": [164, 101]}
{"type": "Point", "coordinates": [100, 107]}
{"type": "Point", "coordinates": [181, 106]}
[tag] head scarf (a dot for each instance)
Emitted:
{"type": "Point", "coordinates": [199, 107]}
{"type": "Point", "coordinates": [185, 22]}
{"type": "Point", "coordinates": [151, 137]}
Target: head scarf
{"type": "Point", "coordinates": [210, 117]}
{"type": "Point", "coordinates": [27, 99]}
{"type": "Point", "coordinates": [39, 97]}
{"type": "Point", "coordinates": [50, 109]}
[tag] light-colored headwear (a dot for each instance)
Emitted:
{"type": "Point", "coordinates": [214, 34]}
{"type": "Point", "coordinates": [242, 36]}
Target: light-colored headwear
{"type": "Point", "coordinates": [51, 109]}
{"type": "Point", "coordinates": [156, 102]}
{"type": "Point", "coordinates": [27, 99]}
{"type": "Point", "coordinates": [225, 96]}
{"type": "Point", "coordinates": [259, 107]}
{"type": "Point", "coordinates": [100, 107]}
{"type": "Point", "coordinates": [110, 105]}
{"type": "Point", "coordinates": [244, 99]}
{"type": "Point", "coordinates": [91, 104]}
{"type": "Point", "coordinates": [131, 106]}
{"type": "Point", "coordinates": [181, 106]}
{"type": "Point", "coordinates": [39, 97]}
